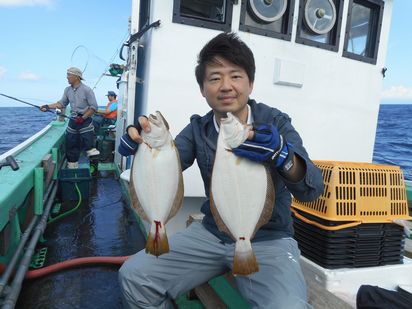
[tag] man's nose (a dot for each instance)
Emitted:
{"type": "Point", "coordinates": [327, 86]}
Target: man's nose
{"type": "Point", "coordinates": [226, 84]}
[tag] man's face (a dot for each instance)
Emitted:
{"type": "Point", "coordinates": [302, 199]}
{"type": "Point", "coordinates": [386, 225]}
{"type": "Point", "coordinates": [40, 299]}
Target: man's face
{"type": "Point", "coordinates": [72, 79]}
{"type": "Point", "coordinates": [226, 88]}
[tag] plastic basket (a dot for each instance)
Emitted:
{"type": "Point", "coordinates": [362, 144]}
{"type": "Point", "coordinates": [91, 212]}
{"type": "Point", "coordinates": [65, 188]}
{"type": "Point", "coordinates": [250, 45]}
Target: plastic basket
{"type": "Point", "coordinates": [358, 193]}
{"type": "Point", "coordinates": [364, 245]}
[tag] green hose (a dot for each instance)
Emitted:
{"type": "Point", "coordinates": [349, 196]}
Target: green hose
{"type": "Point", "coordinates": [65, 214]}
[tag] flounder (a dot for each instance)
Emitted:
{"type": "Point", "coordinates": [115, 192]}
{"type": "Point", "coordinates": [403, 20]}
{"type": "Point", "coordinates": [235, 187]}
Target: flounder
{"type": "Point", "coordinates": [242, 194]}
{"type": "Point", "coordinates": [156, 182]}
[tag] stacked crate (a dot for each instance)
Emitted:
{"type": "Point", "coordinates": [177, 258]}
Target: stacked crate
{"type": "Point", "coordinates": [351, 224]}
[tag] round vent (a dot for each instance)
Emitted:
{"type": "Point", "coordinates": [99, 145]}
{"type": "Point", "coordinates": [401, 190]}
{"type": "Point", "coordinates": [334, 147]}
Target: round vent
{"type": "Point", "coordinates": [320, 15]}
{"type": "Point", "coordinates": [267, 11]}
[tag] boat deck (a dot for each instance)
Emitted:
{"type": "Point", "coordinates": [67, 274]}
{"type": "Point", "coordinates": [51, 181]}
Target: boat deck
{"type": "Point", "coordinates": [102, 226]}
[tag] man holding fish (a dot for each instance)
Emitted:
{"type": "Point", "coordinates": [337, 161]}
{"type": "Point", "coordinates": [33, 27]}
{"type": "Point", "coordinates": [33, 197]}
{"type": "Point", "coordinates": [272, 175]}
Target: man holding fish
{"type": "Point", "coordinates": [251, 160]}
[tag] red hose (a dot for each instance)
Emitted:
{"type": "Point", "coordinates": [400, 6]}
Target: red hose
{"type": "Point", "coordinates": [93, 260]}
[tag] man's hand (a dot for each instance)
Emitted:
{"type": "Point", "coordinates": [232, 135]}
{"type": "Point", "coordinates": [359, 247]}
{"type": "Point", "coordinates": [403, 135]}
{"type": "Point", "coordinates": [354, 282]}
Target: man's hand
{"type": "Point", "coordinates": [267, 145]}
{"type": "Point", "coordinates": [131, 140]}
{"type": "Point", "coordinates": [79, 120]}
{"type": "Point", "coordinates": [45, 108]}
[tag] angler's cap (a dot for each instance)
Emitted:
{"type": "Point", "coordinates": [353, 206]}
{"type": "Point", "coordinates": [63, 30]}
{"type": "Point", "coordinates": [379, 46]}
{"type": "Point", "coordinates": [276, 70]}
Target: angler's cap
{"type": "Point", "coordinates": [111, 93]}
{"type": "Point", "coordinates": [75, 71]}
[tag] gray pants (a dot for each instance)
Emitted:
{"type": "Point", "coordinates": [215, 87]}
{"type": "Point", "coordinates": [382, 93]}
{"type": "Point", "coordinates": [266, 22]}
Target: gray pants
{"type": "Point", "coordinates": [196, 256]}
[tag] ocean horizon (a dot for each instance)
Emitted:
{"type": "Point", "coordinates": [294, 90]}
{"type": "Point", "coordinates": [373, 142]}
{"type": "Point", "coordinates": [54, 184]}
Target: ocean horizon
{"type": "Point", "coordinates": [393, 141]}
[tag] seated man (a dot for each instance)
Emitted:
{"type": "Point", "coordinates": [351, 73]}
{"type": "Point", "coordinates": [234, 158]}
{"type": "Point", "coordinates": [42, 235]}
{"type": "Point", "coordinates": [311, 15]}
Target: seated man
{"type": "Point", "coordinates": [107, 116]}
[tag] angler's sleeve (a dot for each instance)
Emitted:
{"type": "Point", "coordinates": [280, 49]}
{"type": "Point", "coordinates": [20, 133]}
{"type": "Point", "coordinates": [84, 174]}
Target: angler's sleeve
{"type": "Point", "coordinates": [127, 146]}
{"type": "Point", "coordinates": [185, 144]}
{"type": "Point", "coordinates": [311, 185]}
{"type": "Point", "coordinates": [91, 100]}
{"type": "Point", "coordinates": [65, 99]}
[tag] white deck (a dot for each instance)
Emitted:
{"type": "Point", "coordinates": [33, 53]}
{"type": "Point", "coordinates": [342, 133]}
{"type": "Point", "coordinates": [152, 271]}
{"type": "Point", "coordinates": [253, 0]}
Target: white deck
{"type": "Point", "coordinates": [345, 282]}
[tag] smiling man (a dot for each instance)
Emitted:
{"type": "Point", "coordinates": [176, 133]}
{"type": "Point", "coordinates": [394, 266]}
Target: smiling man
{"type": "Point", "coordinates": [225, 74]}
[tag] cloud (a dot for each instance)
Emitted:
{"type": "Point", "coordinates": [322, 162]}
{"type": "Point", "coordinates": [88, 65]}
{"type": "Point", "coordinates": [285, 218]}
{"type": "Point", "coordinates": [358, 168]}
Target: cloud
{"type": "Point", "coordinates": [29, 76]}
{"type": "Point", "coordinates": [397, 93]}
{"type": "Point", "coordinates": [10, 3]}
{"type": "Point", "coordinates": [2, 72]}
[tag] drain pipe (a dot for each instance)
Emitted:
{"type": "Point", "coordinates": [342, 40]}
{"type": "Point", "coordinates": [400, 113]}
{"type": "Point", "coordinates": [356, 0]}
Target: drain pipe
{"type": "Point", "coordinates": [12, 297]}
{"type": "Point", "coordinates": [17, 254]}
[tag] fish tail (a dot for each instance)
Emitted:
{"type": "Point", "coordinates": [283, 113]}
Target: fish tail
{"type": "Point", "coordinates": [157, 242]}
{"type": "Point", "coordinates": [244, 261]}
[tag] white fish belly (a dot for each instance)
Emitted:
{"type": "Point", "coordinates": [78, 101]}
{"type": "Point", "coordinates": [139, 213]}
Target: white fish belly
{"type": "Point", "coordinates": [156, 177]}
{"type": "Point", "coordinates": [239, 188]}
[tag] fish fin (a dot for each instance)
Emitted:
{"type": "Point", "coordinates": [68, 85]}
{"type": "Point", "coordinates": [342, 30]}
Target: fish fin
{"type": "Point", "coordinates": [177, 203]}
{"type": "Point", "coordinates": [135, 200]}
{"type": "Point", "coordinates": [218, 219]}
{"type": "Point", "coordinates": [157, 243]}
{"type": "Point", "coordinates": [244, 260]}
{"type": "Point", "coordinates": [267, 210]}
{"type": "Point", "coordinates": [164, 120]}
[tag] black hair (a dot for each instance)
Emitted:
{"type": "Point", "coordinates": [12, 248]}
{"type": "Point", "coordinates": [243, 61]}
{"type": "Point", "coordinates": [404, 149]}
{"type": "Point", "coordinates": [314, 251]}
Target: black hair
{"type": "Point", "coordinates": [228, 46]}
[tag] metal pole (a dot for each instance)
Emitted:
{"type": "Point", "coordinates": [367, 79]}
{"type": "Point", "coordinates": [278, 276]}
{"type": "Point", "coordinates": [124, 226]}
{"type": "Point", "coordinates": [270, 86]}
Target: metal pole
{"type": "Point", "coordinates": [12, 297]}
{"type": "Point", "coordinates": [10, 266]}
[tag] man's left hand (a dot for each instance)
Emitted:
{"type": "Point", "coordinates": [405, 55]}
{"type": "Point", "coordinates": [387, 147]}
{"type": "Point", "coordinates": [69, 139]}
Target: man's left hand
{"type": "Point", "coordinates": [267, 145]}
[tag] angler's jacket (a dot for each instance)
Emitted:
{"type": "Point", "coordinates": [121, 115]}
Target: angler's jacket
{"type": "Point", "coordinates": [198, 141]}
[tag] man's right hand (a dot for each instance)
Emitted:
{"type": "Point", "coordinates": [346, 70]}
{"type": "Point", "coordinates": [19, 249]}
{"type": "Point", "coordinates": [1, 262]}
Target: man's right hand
{"type": "Point", "coordinates": [130, 141]}
{"type": "Point", "coordinates": [45, 108]}
{"type": "Point", "coordinates": [134, 131]}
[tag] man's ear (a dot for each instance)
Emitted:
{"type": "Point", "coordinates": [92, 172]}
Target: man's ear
{"type": "Point", "coordinates": [250, 87]}
{"type": "Point", "coordinates": [202, 91]}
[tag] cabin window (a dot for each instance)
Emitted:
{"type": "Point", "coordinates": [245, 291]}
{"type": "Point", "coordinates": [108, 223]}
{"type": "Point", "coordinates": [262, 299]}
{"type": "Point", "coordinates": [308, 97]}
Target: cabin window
{"type": "Point", "coordinates": [272, 18]}
{"type": "Point", "coordinates": [212, 14]}
{"type": "Point", "coordinates": [363, 30]}
{"type": "Point", "coordinates": [319, 23]}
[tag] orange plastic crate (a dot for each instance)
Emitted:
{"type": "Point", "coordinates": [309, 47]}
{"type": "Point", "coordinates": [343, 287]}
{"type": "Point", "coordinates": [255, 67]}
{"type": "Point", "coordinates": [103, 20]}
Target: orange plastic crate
{"type": "Point", "coordinates": [360, 193]}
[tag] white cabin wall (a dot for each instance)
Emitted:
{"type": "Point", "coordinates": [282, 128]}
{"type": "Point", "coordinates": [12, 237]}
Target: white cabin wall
{"type": "Point", "coordinates": [335, 110]}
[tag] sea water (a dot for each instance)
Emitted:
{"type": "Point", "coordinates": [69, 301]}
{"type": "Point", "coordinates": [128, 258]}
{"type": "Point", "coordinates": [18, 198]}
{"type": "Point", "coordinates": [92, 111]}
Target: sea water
{"type": "Point", "coordinates": [393, 144]}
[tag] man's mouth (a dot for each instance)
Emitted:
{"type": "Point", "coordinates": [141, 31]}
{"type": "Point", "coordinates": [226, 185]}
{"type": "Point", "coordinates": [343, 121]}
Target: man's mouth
{"type": "Point", "coordinates": [226, 98]}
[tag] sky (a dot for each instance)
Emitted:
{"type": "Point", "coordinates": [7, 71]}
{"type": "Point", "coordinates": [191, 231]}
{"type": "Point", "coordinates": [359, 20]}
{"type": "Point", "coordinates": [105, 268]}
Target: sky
{"type": "Point", "coordinates": [40, 39]}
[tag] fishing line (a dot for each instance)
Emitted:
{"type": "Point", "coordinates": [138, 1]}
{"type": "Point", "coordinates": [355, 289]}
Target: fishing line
{"type": "Point", "coordinates": [88, 56]}
{"type": "Point", "coordinates": [111, 60]}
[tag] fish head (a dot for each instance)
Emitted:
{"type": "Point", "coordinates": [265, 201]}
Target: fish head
{"type": "Point", "coordinates": [234, 132]}
{"type": "Point", "coordinates": [159, 131]}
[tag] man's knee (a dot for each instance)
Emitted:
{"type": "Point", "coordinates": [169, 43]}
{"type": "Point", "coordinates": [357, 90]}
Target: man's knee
{"type": "Point", "coordinates": [128, 274]}
{"type": "Point", "coordinates": [128, 284]}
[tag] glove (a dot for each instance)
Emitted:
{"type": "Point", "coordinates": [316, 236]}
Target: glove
{"type": "Point", "coordinates": [267, 145]}
{"type": "Point", "coordinates": [45, 108]}
{"type": "Point", "coordinates": [127, 146]}
{"type": "Point", "coordinates": [79, 120]}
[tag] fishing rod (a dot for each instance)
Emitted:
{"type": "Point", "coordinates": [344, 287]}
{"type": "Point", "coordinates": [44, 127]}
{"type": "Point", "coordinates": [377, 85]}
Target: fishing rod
{"type": "Point", "coordinates": [58, 111]}
{"type": "Point", "coordinates": [13, 98]}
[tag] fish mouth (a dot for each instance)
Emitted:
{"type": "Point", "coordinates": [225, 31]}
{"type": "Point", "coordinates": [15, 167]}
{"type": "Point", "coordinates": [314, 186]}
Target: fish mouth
{"type": "Point", "coordinates": [155, 119]}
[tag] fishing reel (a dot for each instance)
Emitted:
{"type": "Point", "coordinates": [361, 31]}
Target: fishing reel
{"type": "Point", "coordinates": [9, 161]}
